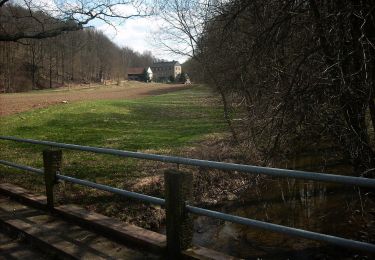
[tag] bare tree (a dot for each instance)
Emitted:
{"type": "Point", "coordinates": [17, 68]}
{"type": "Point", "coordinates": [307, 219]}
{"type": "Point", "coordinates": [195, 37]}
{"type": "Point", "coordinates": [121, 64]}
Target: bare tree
{"type": "Point", "coordinates": [76, 57]}
{"type": "Point", "coordinates": [43, 45]}
{"type": "Point", "coordinates": [184, 24]}
{"type": "Point", "coordinates": [32, 19]}
{"type": "Point", "coordinates": [291, 73]}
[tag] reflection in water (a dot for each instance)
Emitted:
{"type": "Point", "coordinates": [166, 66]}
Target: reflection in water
{"type": "Point", "coordinates": [320, 207]}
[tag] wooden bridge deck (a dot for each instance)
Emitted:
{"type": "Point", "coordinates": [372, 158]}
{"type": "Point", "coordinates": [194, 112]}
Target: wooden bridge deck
{"type": "Point", "coordinates": [55, 236]}
{"type": "Point", "coordinates": [29, 231]}
{"type": "Point", "coordinates": [12, 247]}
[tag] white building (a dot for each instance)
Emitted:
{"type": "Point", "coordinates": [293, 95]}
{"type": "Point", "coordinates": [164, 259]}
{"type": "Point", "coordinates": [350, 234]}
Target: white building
{"type": "Point", "coordinates": [166, 70]}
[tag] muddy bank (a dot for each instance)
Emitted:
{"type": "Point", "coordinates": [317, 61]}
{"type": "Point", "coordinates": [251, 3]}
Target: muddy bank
{"type": "Point", "coordinates": [211, 187]}
{"type": "Point", "coordinates": [332, 209]}
{"type": "Point", "coordinates": [326, 208]}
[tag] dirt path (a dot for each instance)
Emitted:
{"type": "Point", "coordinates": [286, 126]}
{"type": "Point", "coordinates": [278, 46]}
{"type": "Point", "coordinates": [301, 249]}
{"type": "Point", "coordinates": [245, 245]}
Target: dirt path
{"type": "Point", "coordinates": [19, 102]}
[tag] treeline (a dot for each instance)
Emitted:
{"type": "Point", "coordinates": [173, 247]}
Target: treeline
{"type": "Point", "coordinates": [81, 56]}
{"type": "Point", "coordinates": [293, 75]}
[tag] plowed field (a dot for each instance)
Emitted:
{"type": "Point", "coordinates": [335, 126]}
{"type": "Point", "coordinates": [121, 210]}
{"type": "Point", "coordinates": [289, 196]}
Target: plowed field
{"type": "Point", "coordinates": [19, 102]}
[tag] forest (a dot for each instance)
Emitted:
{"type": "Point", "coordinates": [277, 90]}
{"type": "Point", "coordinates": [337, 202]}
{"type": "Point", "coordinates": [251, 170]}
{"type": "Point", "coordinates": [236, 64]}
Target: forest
{"type": "Point", "coordinates": [70, 57]}
{"type": "Point", "coordinates": [294, 76]}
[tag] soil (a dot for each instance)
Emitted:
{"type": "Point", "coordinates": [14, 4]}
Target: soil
{"type": "Point", "coordinates": [20, 102]}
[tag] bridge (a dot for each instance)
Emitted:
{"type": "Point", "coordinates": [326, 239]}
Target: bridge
{"type": "Point", "coordinates": [177, 242]}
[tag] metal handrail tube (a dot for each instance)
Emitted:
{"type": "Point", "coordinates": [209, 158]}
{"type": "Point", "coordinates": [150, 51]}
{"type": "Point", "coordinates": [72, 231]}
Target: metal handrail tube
{"type": "Point", "coordinates": [125, 193]}
{"type": "Point", "coordinates": [358, 181]}
{"type": "Point", "coordinates": [214, 214]}
{"type": "Point", "coordinates": [283, 229]}
{"type": "Point", "coordinates": [21, 167]}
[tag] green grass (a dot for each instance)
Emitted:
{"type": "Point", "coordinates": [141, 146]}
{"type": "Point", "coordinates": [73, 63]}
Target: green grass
{"type": "Point", "coordinates": [165, 121]}
{"type": "Point", "coordinates": [161, 124]}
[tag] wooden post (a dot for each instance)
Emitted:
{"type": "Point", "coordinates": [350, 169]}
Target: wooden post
{"type": "Point", "coordinates": [52, 164]}
{"type": "Point", "coordinates": [178, 191]}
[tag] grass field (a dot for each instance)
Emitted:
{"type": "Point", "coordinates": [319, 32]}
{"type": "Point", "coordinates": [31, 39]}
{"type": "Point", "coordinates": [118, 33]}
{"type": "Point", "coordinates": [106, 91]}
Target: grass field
{"type": "Point", "coordinates": [165, 121]}
{"type": "Point", "coordinates": [164, 124]}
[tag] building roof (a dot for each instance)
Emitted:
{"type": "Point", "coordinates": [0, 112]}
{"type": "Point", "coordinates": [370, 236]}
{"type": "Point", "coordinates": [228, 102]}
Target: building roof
{"type": "Point", "coordinates": [165, 64]}
{"type": "Point", "coordinates": [136, 70]}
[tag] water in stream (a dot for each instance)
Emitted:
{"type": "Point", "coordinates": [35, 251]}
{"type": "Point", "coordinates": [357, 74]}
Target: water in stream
{"type": "Point", "coordinates": [326, 208]}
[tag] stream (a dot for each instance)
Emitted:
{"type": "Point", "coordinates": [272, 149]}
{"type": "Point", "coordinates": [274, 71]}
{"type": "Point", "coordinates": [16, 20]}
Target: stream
{"type": "Point", "coordinates": [320, 207]}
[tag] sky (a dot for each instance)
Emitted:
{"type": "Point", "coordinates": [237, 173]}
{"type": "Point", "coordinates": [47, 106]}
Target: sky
{"type": "Point", "coordinates": [138, 34]}
{"type": "Point", "coordinates": [135, 33]}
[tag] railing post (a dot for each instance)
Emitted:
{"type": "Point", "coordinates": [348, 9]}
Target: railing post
{"type": "Point", "coordinates": [179, 224]}
{"type": "Point", "coordinates": [52, 164]}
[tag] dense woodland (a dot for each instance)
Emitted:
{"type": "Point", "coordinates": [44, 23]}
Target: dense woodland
{"type": "Point", "coordinates": [80, 56]}
{"type": "Point", "coordinates": [294, 76]}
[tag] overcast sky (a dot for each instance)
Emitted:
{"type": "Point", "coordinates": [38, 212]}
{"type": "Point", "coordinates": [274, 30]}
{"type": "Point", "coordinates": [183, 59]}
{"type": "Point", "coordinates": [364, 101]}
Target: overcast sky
{"type": "Point", "coordinates": [138, 34]}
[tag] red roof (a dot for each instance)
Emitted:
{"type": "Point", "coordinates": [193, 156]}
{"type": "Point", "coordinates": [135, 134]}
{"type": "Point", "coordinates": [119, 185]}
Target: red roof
{"type": "Point", "coordinates": [137, 70]}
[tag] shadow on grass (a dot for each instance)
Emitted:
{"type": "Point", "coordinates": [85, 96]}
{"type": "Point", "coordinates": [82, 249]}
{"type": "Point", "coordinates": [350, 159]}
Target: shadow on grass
{"type": "Point", "coordinates": [139, 126]}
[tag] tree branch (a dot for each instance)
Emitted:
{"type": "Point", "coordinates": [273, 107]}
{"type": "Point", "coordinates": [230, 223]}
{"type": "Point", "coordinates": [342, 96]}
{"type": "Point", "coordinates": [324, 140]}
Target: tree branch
{"type": "Point", "coordinates": [2, 2]}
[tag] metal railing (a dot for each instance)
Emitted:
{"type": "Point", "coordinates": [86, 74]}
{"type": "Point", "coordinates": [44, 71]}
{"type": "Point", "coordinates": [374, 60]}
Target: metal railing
{"type": "Point", "coordinates": [249, 169]}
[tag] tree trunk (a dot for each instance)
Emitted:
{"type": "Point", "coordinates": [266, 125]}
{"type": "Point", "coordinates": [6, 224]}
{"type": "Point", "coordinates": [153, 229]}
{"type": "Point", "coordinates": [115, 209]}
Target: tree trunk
{"type": "Point", "coordinates": [50, 66]}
